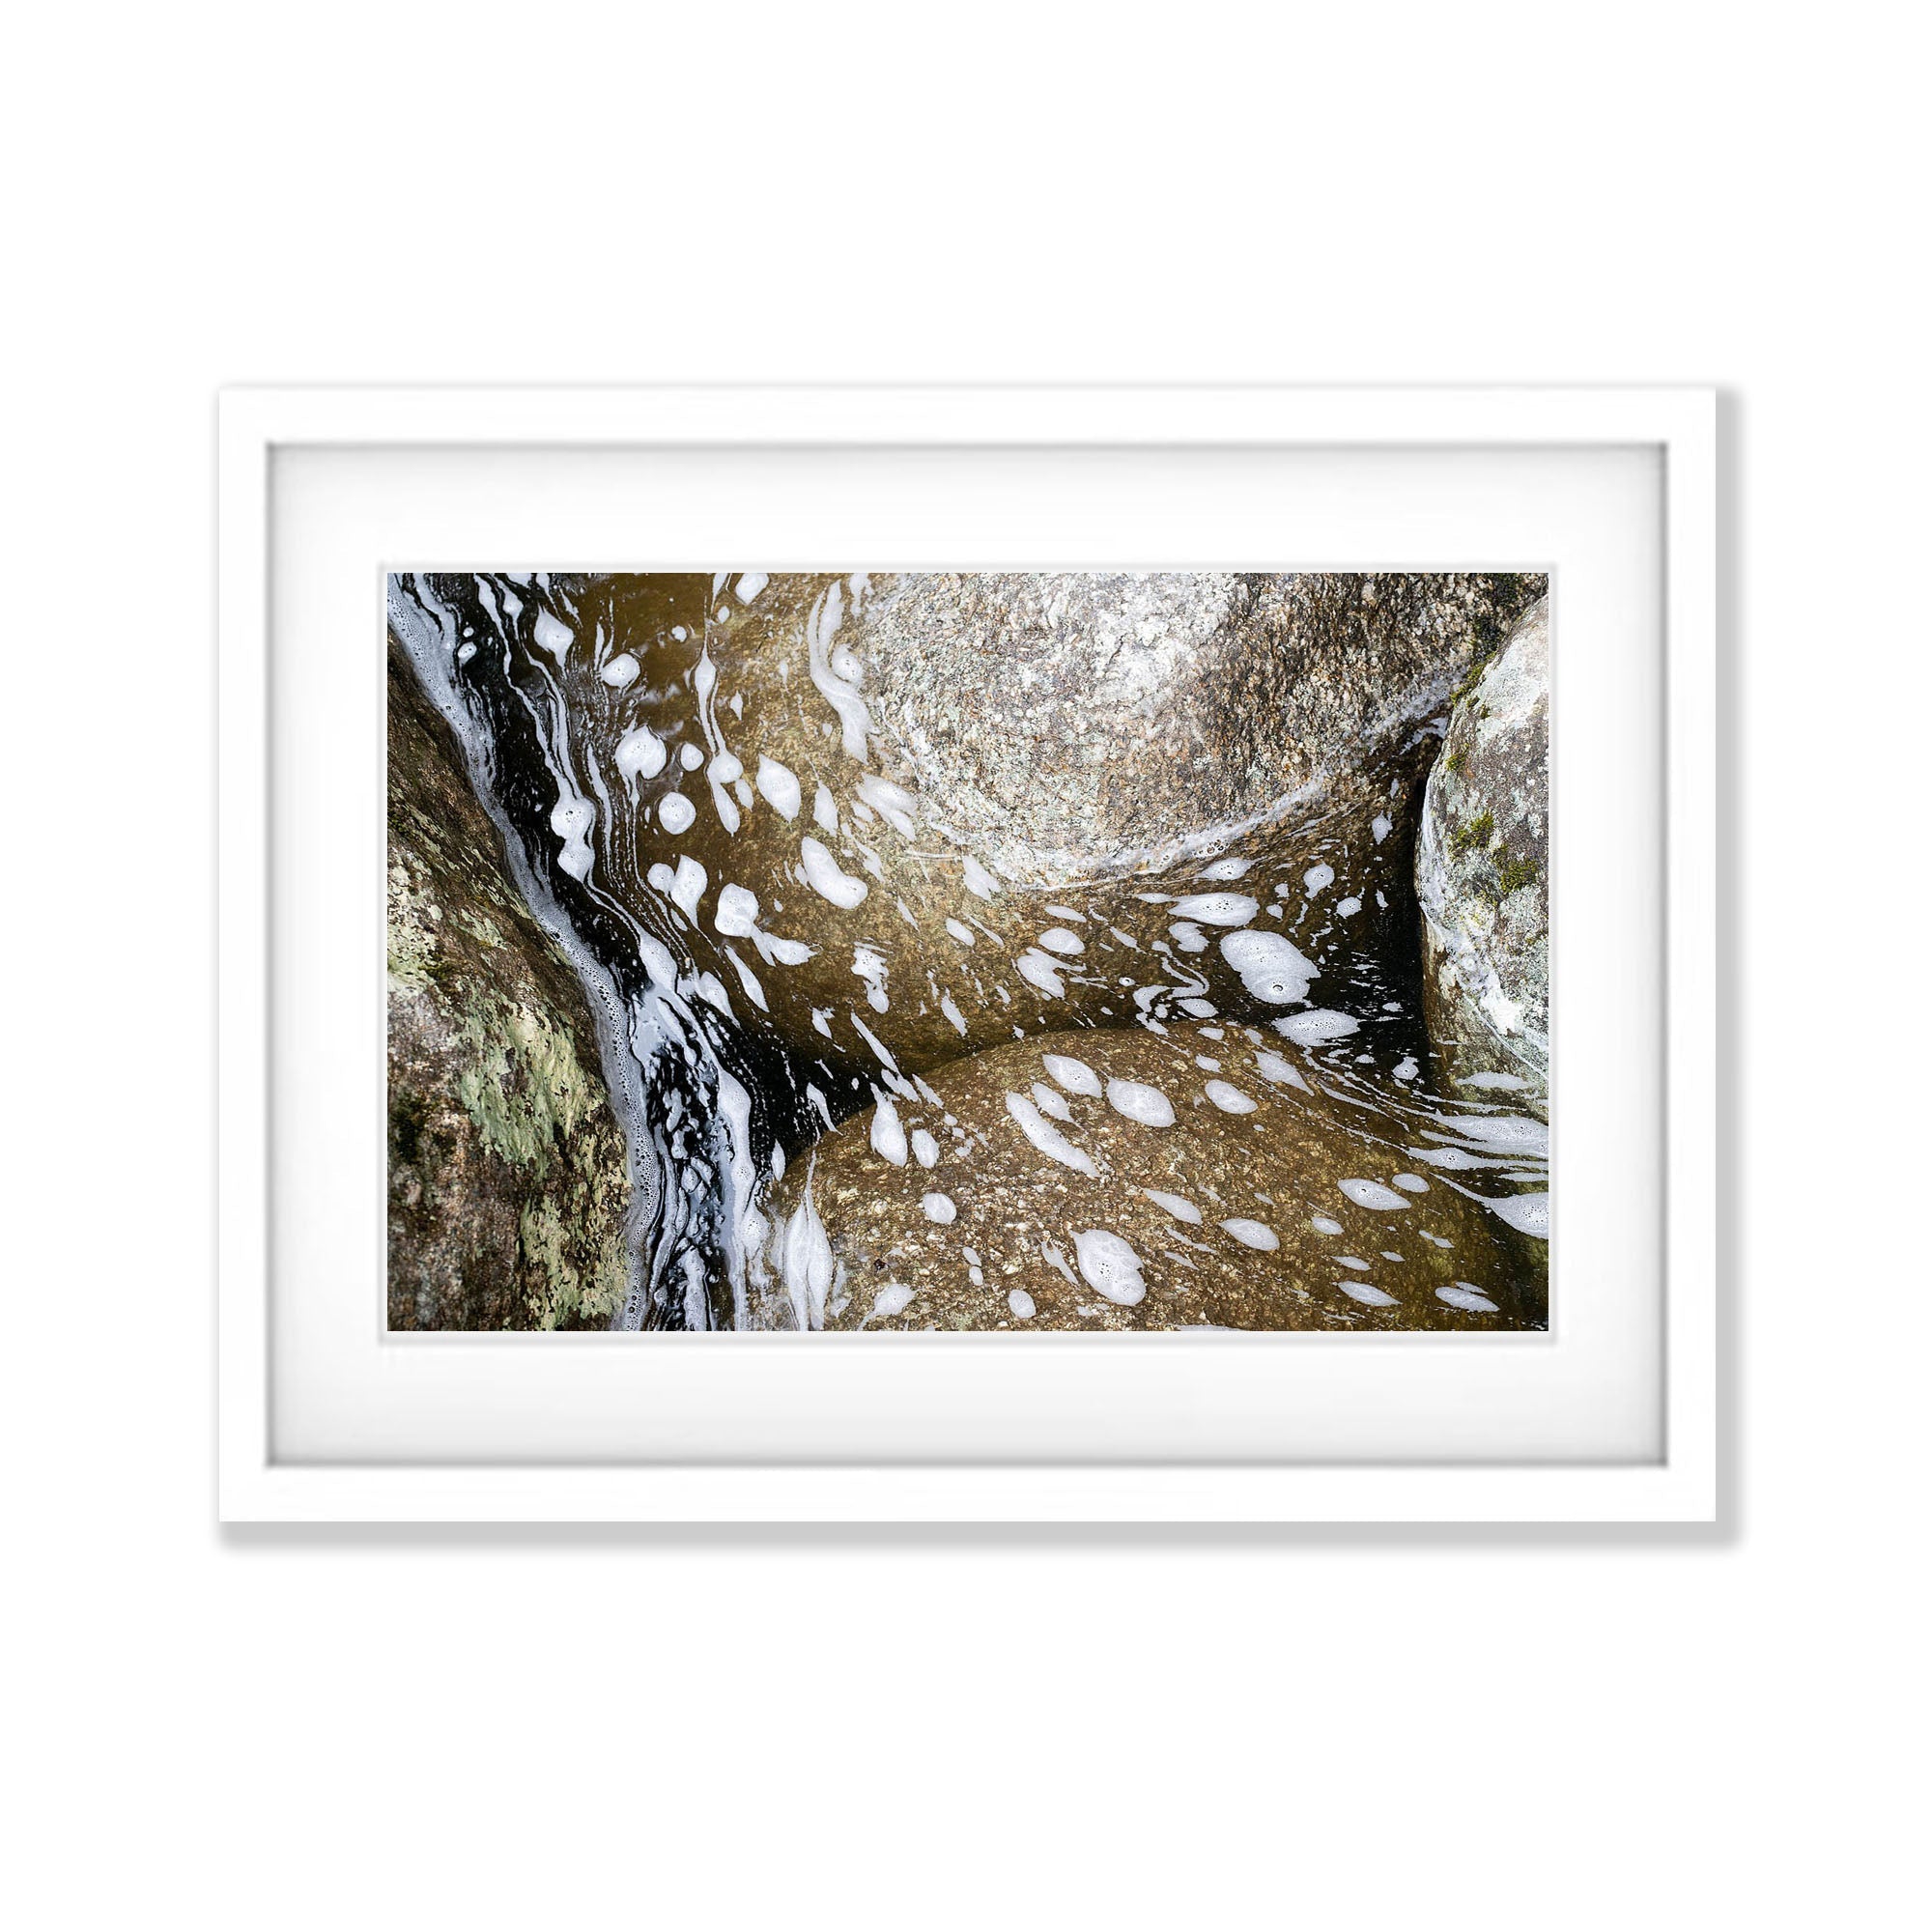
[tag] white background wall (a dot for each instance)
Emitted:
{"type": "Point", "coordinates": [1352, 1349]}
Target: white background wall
{"type": "Point", "coordinates": [693, 1729]}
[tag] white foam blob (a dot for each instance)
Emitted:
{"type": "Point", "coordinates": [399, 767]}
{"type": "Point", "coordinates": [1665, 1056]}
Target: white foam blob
{"type": "Point", "coordinates": [924, 1148]}
{"type": "Point", "coordinates": [1109, 1266]}
{"type": "Point", "coordinates": [1320, 1024]}
{"type": "Point", "coordinates": [640, 754]}
{"type": "Point", "coordinates": [1188, 936]}
{"type": "Point", "coordinates": [1410, 1183]}
{"type": "Point", "coordinates": [1048, 1139]}
{"type": "Point", "coordinates": [1347, 908]}
{"type": "Point", "coordinates": [1272, 1066]}
{"type": "Point", "coordinates": [1351, 1262]}
{"type": "Point", "coordinates": [1252, 1234]}
{"type": "Point", "coordinates": [1057, 939]}
{"type": "Point", "coordinates": [1021, 1303]}
{"type": "Point", "coordinates": [1462, 1295]}
{"type": "Point", "coordinates": [960, 931]}
{"type": "Point", "coordinates": [690, 756]}
{"type": "Point", "coordinates": [778, 788]}
{"type": "Point", "coordinates": [1372, 1194]}
{"type": "Point", "coordinates": [892, 803]}
{"type": "Point", "coordinates": [978, 880]}
{"type": "Point", "coordinates": [1230, 1098]}
{"type": "Point", "coordinates": [1507, 1133]}
{"type": "Point", "coordinates": [888, 1135]}
{"type": "Point", "coordinates": [1202, 1009]}
{"type": "Point", "coordinates": [1222, 871]}
{"type": "Point", "coordinates": [676, 814]}
{"type": "Point", "coordinates": [1526, 1213]}
{"type": "Point", "coordinates": [823, 875]}
{"type": "Point", "coordinates": [1176, 1204]}
{"type": "Point", "coordinates": [737, 912]}
{"type": "Point", "coordinates": [1507, 1083]}
{"type": "Point", "coordinates": [939, 1207]}
{"type": "Point", "coordinates": [1271, 969]}
{"type": "Point", "coordinates": [1381, 827]}
{"type": "Point", "coordinates": [891, 1299]}
{"type": "Point", "coordinates": [1049, 1102]}
{"type": "Point", "coordinates": [1317, 879]}
{"type": "Point", "coordinates": [751, 583]}
{"type": "Point", "coordinates": [622, 670]}
{"type": "Point", "coordinates": [1075, 1076]}
{"type": "Point", "coordinates": [950, 1007]}
{"type": "Point", "coordinates": [1322, 1225]}
{"type": "Point", "coordinates": [1217, 908]}
{"type": "Point", "coordinates": [1366, 1293]}
{"type": "Point", "coordinates": [551, 636]}
{"type": "Point", "coordinates": [1406, 1069]}
{"type": "Point", "coordinates": [1139, 1101]}
{"type": "Point", "coordinates": [1039, 970]}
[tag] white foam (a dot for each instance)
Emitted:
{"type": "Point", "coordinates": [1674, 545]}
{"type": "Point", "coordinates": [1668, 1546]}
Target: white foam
{"type": "Point", "coordinates": [737, 912]}
{"type": "Point", "coordinates": [1322, 1225]}
{"type": "Point", "coordinates": [1508, 1133]}
{"type": "Point", "coordinates": [891, 1299]}
{"type": "Point", "coordinates": [551, 636]}
{"type": "Point", "coordinates": [1109, 1266]}
{"type": "Point", "coordinates": [676, 814]}
{"type": "Point", "coordinates": [825, 811]}
{"type": "Point", "coordinates": [1217, 908]}
{"type": "Point", "coordinates": [1176, 1204]}
{"type": "Point", "coordinates": [1252, 1234]}
{"type": "Point", "coordinates": [1057, 939]}
{"type": "Point", "coordinates": [939, 1207]}
{"type": "Point", "coordinates": [978, 880]}
{"type": "Point", "coordinates": [1188, 936]}
{"type": "Point", "coordinates": [1139, 1101]}
{"type": "Point", "coordinates": [1040, 971]}
{"type": "Point", "coordinates": [1050, 1103]}
{"type": "Point", "coordinates": [1271, 969]}
{"type": "Point", "coordinates": [1503, 1082]}
{"type": "Point", "coordinates": [1225, 870]}
{"type": "Point", "coordinates": [887, 1132]}
{"type": "Point", "coordinates": [1021, 1303]}
{"type": "Point", "coordinates": [1363, 1291]}
{"type": "Point", "coordinates": [823, 875]}
{"type": "Point", "coordinates": [1351, 1262]}
{"type": "Point", "coordinates": [749, 584]}
{"type": "Point", "coordinates": [1411, 1183]}
{"type": "Point", "coordinates": [640, 754]}
{"type": "Point", "coordinates": [950, 1007]}
{"type": "Point", "coordinates": [870, 965]}
{"type": "Point", "coordinates": [1461, 1295]}
{"type": "Point", "coordinates": [1372, 1194]}
{"type": "Point", "coordinates": [621, 670]}
{"type": "Point", "coordinates": [1406, 1069]}
{"type": "Point", "coordinates": [1306, 1029]}
{"type": "Point", "coordinates": [690, 756]}
{"type": "Point", "coordinates": [892, 803]}
{"type": "Point", "coordinates": [1381, 827]}
{"type": "Point", "coordinates": [1075, 1076]}
{"type": "Point", "coordinates": [1317, 879]}
{"type": "Point", "coordinates": [1230, 1098]}
{"type": "Point", "coordinates": [1049, 1140]}
{"type": "Point", "coordinates": [1347, 908]}
{"type": "Point", "coordinates": [1528, 1213]}
{"type": "Point", "coordinates": [1272, 1066]}
{"type": "Point", "coordinates": [924, 1148]}
{"type": "Point", "coordinates": [689, 884]}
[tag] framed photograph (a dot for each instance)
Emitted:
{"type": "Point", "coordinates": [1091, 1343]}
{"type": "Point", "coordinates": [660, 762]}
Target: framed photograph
{"type": "Point", "coordinates": [968, 955]}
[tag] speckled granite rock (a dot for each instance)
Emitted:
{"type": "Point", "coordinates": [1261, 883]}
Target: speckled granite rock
{"type": "Point", "coordinates": [507, 1178]}
{"type": "Point", "coordinates": [1482, 870]}
{"type": "Point", "coordinates": [1118, 1179]}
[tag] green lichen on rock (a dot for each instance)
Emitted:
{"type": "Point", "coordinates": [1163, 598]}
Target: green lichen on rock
{"type": "Point", "coordinates": [508, 1186]}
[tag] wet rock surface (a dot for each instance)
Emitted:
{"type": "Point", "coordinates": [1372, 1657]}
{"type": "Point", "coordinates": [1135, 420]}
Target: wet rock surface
{"type": "Point", "coordinates": [813, 840]}
{"type": "Point", "coordinates": [1483, 870]}
{"type": "Point", "coordinates": [508, 1176]}
{"type": "Point", "coordinates": [1119, 1180]}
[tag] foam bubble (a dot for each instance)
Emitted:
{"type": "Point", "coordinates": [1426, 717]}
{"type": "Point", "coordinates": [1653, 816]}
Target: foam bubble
{"type": "Point", "coordinates": [1230, 1098]}
{"type": "Point", "coordinates": [737, 912]}
{"type": "Point", "coordinates": [1272, 1066]}
{"type": "Point", "coordinates": [888, 1133]}
{"type": "Point", "coordinates": [780, 789]}
{"type": "Point", "coordinates": [1075, 1076]}
{"type": "Point", "coordinates": [1049, 1102]}
{"type": "Point", "coordinates": [1057, 939]}
{"type": "Point", "coordinates": [1109, 1266]}
{"type": "Point", "coordinates": [1252, 1234]}
{"type": "Point", "coordinates": [924, 1148]}
{"type": "Point", "coordinates": [1176, 1204]}
{"type": "Point", "coordinates": [1049, 1140]}
{"type": "Point", "coordinates": [622, 670]}
{"type": "Point", "coordinates": [1217, 908]}
{"type": "Point", "coordinates": [939, 1207]}
{"type": "Point", "coordinates": [676, 814]}
{"type": "Point", "coordinates": [1317, 879]}
{"type": "Point", "coordinates": [1322, 1225]}
{"type": "Point", "coordinates": [1309, 1028]}
{"type": "Point", "coordinates": [1465, 1295]}
{"type": "Point", "coordinates": [1271, 968]}
{"type": "Point", "coordinates": [1021, 1303]}
{"type": "Point", "coordinates": [1139, 1101]}
{"type": "Point", "coordinates": [1372, 1194]}
{"type": "Point", "coordinates": [640, 754]}
{"type": "Point", "coordinates": [891, 1299]}
{"type": "Point", "coordinates": [1366, 1293]}
{"type": "Point", "coordinates": [823, 875]}
{"type": "Point", "coordinates": [1526, 1213]}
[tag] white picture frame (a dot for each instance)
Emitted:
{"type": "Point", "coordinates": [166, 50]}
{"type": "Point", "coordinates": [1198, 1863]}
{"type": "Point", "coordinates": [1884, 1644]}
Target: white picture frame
{"type": "Point", "coordinates": [491, 435]}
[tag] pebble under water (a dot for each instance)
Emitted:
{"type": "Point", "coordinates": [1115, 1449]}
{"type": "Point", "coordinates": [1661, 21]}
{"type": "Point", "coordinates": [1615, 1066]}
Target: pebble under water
{"type": "Point", "coordinates": [818, 990]}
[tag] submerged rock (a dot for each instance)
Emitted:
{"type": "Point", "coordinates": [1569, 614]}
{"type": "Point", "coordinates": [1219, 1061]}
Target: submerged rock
{"type": "Point", "coordinates": [1481, 868]}
{"type": "Point", "coordinates": [508, 1193]}
{"type": "Point", "coordinates": [1120, 1179]}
